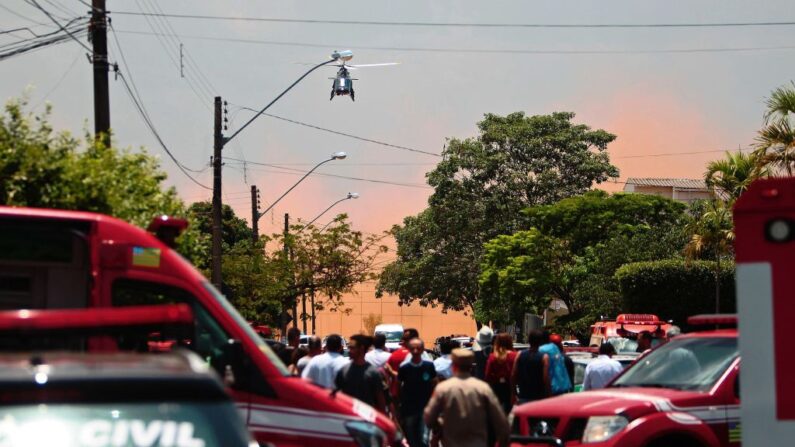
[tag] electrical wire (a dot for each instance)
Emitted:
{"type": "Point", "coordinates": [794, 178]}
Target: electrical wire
{"type": "Point", "coordinates": [335, 132]}
{"type": "Point", "coordinates": [152, 129]}
{"type": "Point", "coordinates": [60, 80]}
{"type": "Point", "coordinates": [35, 4]}
{"type": "Point", "coordinates": [301, 172]}
{"type": "Point", "coordinates": [469, 24]}
{"type": "Point", "coordinates": [25, 18]}
{"type": "Point", "coordinates": [482, 50]}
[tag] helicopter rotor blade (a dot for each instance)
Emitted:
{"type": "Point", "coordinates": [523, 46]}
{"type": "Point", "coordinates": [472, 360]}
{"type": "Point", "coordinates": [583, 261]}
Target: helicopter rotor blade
{"type": "Point", "coordinates": [373, 65]}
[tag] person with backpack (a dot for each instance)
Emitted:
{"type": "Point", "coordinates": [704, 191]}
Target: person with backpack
{"type": "Point", "coordinates": [559, 380]}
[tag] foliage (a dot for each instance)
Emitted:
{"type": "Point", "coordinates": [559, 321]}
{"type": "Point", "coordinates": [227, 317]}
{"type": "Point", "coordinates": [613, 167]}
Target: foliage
{"type": "Point", "coordinates": [776, 140]}
{"type": "Point", "coordinates": [255, 283]}
{"type": "Point", "coordinates": [712, 232]}
{"type": "Point", "coordinates": [43, 168]}
{"type": "Point", "coordinates": [733, 175]}
{"type": "Point", "coordinates": [674, 289]}
{"type": "Point", "coordinates": [233, 231]}
{"type": "Point", "coordinates": [571, 253]}
{"type": "Point", "coordinates": [480, 188]}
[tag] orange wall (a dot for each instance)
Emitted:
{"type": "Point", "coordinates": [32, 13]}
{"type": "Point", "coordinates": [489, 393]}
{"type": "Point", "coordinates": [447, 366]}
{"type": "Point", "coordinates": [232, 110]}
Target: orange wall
{"type": "Point", "coordinates": [431, 322]}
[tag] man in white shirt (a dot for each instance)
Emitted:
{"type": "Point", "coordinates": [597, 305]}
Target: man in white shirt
{"type": "Point", "coordinates": [602, 370]}
{"type": "Point", "coordinates": [315, 349]}
{"type": "Point", "coordinates": [323, 368]}
{"type": "Point", "coordinates": [379, 355]}
{"type": "Point", "coordinates": [444, 364]}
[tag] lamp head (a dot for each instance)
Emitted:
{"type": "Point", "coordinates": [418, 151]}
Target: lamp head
{"type": "Point", "coordinates": [353, 195]}
{"type": "Point", "coordinates": [339, 156]}
{"type": "Point", "coordinates": [344, 55]}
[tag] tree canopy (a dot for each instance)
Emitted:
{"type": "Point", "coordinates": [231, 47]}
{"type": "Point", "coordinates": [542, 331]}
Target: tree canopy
{"type": "Point", "coordinates": [480, 188]}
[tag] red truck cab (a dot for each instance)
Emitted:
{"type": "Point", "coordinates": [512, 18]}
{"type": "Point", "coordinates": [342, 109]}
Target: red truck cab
{"type": "Point", "coordinates": [684, 393]}
{"type": "Point", "coordinates": [623, 332]}
{"type": "Point", "coordinates": [52, 259]}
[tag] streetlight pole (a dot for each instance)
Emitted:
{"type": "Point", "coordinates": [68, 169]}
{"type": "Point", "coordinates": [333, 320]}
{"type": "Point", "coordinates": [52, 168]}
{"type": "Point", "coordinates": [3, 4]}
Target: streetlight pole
{"type": "Point", "coordinates": [257, 216]}
{"type": "Point", "coordinates": [351, 195]}
{"type": "Point", "coordinates": [219, 142]}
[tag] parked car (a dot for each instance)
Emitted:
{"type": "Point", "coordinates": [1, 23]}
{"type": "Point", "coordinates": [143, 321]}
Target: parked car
{"type": "Point", "coordinates": [684, 393]}
{"type": "Point", "coordinates": [582, 361]}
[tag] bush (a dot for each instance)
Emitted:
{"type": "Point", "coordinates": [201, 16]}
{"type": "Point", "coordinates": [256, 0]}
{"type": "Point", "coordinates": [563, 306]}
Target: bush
{"type": "Point", "coordinates": [675, 289]}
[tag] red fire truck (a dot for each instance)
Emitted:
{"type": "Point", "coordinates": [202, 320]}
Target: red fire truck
{"type": "Point", "coordinates": [623, 332]}
{"type": "Point", "coordinates": [52, 259]}
{"type": "Point", "coordinates": [683, 393]}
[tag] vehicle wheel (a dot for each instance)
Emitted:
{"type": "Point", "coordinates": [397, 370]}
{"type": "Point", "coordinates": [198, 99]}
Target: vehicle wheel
{"type": "Point", "coordinates": [675, 441]}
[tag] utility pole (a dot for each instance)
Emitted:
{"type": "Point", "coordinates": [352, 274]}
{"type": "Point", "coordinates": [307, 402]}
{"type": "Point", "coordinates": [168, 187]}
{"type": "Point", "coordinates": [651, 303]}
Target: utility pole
{"type": "Point", "coordinates": [286, 256]}
{"type": "Point", "coordinates": [218, 145]}
{"type": "Point", "coordinates": [254, 213]}
{"type": "Point", "coordinates": [99, 39]}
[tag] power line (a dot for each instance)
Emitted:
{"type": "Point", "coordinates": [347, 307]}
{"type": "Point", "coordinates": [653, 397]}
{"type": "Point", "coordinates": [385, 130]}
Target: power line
{"type": "Point", "coordinates": [27, 19]}
{"type": "Point", "coordinates": [34, 3]}
{"type": "Point", "coordinates": [481, 50]}
{"type": "Point", "coordinates": [335, 132]}
{"type": "Point", "coordinates": [60, 80]}
{"type": "Point", "coordinates": [468, 24]}
{"type": "Point", "coordinates": [672, 154]}
{"type": "Point", "coordinates": [152, 129]}
{"type": "Point", "coordinates": [301, 172]}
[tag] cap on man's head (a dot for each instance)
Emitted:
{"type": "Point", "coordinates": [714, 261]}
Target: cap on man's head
{"type": "Point", "coordinates": [555, 339]}
{"type": "Point", "coordinates": [463, 357]}
{"type": "Point", "coordinates": [485, 335]}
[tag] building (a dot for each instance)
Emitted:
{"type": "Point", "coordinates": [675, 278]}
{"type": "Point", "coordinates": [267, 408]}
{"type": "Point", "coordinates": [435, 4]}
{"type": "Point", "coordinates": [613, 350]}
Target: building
{"type": "Point", "coordinates": [681, 189]}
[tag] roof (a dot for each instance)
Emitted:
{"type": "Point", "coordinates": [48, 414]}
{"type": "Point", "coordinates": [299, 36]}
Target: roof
{"type": "Point", "coordinates": [681, 183]}
{"type": "Point", "coordinates": [107, 377]}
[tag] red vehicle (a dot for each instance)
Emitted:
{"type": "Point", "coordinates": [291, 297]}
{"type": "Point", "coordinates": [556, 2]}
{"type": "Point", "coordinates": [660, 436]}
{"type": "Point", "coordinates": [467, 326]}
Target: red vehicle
{"type": "Point", "coordinates": [51, 259]}
{"type": "Point", "coordinates": [684, 393]}
{"type": "Point", "coordinates": [623, 332]}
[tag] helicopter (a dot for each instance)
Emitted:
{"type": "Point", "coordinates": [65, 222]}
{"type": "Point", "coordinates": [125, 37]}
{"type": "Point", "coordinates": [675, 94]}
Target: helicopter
{"type": "Point", "coordinates": [343, 82]}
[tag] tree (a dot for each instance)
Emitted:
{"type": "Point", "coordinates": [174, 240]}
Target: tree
{"type": "Point", "coordinates": [674, 289]}
{"type": "Point", "coordinates": [731, 176]}
{"type": "Point", "coordinates": [233, 231]}
{"type": "Point", "coordinates": [480, 187]}
{"type": "Point", "coordinates": [776, 140]}
{"type": "Point", "coordinates": [712, 237]}
{"type": "Point", "coordinates": [571, 252]}
{"type": "Point", "coordinates": [43, 168]}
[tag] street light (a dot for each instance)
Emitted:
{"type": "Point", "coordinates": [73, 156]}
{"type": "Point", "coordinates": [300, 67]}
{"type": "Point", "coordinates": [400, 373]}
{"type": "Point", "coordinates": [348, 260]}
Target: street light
{"type": "Point", "coordinates": [334, 156]}
{"type": "Point", "coordinates": [219, 141]}
{"type": "Point", "coordinates": [351, 195]}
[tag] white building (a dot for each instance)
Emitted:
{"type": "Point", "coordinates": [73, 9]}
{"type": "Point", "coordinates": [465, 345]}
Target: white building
{"type": "Point", "coordinates": [681, 189]}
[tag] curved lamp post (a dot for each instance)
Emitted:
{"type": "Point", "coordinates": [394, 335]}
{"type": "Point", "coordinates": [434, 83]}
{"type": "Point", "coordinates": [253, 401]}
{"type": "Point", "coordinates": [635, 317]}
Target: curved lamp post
{"type": "Point", "coordinates": [334, 156]}
{"type": "Point", "coordinates": [351, 195]}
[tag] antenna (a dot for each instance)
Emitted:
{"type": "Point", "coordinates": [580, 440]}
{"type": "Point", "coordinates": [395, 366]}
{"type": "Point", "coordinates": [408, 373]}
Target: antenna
{"type": "Point", "coordinates": [181, 62]}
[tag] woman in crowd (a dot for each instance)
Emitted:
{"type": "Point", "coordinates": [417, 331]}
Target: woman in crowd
{"type": "Point", "coordinates": [499, 368]}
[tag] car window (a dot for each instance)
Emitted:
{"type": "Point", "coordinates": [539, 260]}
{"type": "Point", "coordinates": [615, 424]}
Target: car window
{"type": "Point", "coordinates": [685, 364]}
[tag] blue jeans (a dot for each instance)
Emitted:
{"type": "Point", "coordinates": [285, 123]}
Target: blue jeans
{"type": "Point", "coordinates": [414, 428]}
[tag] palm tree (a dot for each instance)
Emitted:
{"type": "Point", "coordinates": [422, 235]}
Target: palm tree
{"type": "Point", "coordinates": [776, 141]}
{"type": "Point", "coordinates": [731, 176]}
{"type": "Point", "coordinates": [712, 235]}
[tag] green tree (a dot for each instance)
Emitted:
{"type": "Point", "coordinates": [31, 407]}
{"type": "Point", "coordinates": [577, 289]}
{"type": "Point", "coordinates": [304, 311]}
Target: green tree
{"type": "Point", "coordinates": [776, 140]}
{"type": "Point", "coordinates": [711, 237]}
{"type": "Point", "coordinates": [43, 168]}
{"type": "Point", "coordinates": [233, 231]}
{"type": "Point", "coordinates": [480, 187]}
{"type": "Point", "coordinates": [571, 253]}
{"type": "Point", "coordinates": [731, 176]}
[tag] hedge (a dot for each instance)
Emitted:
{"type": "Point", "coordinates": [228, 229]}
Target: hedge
{"type": "Point", "coordinates": [674, 289]}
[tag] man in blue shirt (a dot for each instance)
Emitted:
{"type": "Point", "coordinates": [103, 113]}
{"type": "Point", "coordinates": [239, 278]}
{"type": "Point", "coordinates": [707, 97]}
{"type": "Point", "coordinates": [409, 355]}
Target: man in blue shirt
{"type": "Point", "coordinates": [417, 379]}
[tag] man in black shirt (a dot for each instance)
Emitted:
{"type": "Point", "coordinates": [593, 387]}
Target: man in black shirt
{"type": "Point", "coordinates": [417, 378]}
{"type": "Point", "coordinates": [531, 371]}
{"type": "Point", "coordinates": [360, 379]}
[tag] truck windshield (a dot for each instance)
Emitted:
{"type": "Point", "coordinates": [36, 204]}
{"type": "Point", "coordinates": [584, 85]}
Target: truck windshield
{"type": "Point", "coordinates": [188, 424]}
{"type": "Point", "coordinates": [693, 364]}
{"type": "Point", "coordinates": [392, 336]}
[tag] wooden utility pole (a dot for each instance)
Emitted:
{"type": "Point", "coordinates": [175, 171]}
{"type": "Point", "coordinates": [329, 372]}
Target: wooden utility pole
{"type": "Point", "coordinates": [254, 213]}
{"type": "Point", "coordinates": [99, 40]}
{"type": "Point", "coordinates": [218, 145]}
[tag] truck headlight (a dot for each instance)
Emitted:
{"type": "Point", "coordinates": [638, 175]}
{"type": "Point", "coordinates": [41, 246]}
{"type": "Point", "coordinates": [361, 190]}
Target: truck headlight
{"type": "Point", "coordinates": [602, 428]}
{"type": "Point", "coordinates": [366, 434]}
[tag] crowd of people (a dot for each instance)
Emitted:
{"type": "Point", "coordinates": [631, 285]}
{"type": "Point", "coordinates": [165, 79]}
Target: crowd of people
{"type": "Point", "coordinates": [461, 398]}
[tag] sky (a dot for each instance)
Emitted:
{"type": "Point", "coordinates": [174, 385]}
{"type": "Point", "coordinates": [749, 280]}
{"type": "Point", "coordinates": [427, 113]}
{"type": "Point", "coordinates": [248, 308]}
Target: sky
{"type": "Point", "coordinates": [661, 90]}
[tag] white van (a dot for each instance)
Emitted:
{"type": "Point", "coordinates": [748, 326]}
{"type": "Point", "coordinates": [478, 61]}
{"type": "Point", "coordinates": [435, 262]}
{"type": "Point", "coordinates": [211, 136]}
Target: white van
{"type": "Point", "coordinates": [393, 334]}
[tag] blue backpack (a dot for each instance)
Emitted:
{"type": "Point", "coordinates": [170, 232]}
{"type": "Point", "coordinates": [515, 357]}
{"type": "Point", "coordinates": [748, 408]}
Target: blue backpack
{"type": "Point", "coordinates": [558, 375]}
